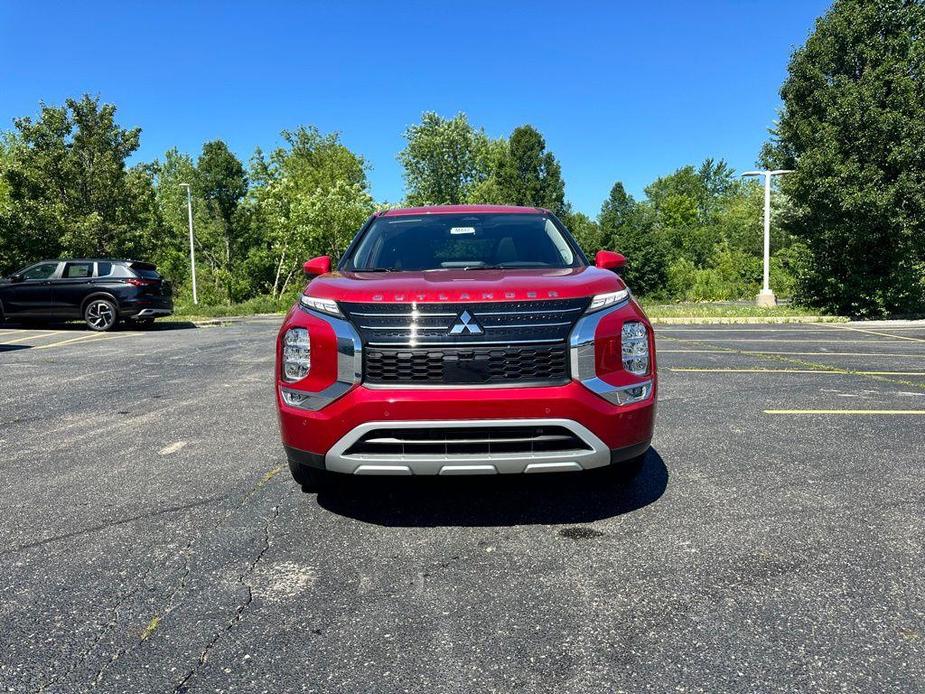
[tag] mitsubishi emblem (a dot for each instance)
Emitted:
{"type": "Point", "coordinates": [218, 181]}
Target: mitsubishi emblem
{"type": "Point", "coordinates": [465, 323]}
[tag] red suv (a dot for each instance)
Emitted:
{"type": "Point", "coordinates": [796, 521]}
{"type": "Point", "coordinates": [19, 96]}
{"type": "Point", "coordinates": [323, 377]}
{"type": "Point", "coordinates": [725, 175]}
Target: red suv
{"type": "Point", "coordinates": [460, 340]}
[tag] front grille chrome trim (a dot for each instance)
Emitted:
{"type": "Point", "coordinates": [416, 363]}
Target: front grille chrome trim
{"type": "Point", "coordinates": [480, 343]}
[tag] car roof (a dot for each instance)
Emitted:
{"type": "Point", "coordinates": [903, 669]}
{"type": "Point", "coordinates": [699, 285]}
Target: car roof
{"type": "Point", "coordinates": [462, 209]}
{"type": "Point", "coordinates": [88, 260]}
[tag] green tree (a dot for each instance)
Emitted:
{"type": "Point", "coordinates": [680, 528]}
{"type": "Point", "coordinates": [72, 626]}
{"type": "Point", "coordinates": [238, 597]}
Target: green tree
{"type": "Point", "coordinates": [69, 188]}
{"type": "Point", "coordinates": [586, 231]}
{"type": "Point", "coordinates": [530, 175]}
{"type": "Point", "coordinates": [629, 228]}
{"type": "Point", "coordinates": [444, 159]}
{"type": "Point", "coordinates": [223, 184]}
{"type": "Point", "coordinates": [172, 254]}
{"type": "Point", "coordinates": [309, 198]}
{"type": "Point", "coordinates": [853, 128]}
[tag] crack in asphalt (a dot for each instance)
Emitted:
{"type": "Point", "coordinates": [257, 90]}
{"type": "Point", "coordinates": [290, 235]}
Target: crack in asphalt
{"type": "Point", "coordinates": [180, 585]}
{"type": "Point", "coordinates": [239, 612]}
{"type": "Point", "coordinates": [114, 523]}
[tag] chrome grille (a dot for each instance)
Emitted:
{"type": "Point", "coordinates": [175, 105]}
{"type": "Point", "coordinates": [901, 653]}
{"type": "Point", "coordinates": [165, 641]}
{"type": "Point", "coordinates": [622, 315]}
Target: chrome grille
{"type": "Point", "coordinates": [498, 323]}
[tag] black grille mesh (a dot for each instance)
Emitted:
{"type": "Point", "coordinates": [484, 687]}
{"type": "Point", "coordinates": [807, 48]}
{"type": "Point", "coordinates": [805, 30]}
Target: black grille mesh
{"type": "Point", "coordinates": [468, 366]}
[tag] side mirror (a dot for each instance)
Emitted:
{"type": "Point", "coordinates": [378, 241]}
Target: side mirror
{"type": "Point", "coordinates": [16, 277]}
{"type": "Point", "coordinates": [317, 266]}
{"type": "Point", "coordinates": [608, 260]}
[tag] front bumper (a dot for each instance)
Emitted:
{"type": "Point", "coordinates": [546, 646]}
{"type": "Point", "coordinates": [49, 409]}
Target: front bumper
{"type": "Point", "coordinates": [323, 438]}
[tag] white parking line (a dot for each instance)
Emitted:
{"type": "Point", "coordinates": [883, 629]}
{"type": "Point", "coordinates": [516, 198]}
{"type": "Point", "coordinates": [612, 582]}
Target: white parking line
{"type": "Point", "coordinates": [172, 448]}
{"type": "Point", "coordinates": [875, 332]}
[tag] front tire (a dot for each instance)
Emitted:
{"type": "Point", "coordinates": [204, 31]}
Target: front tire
{"type": "Point", "coordinates": [627, 470]}
{"type": "Point", "coordinates": [309, 478]}
{"type": "Point", "coordinates": [101, 315]}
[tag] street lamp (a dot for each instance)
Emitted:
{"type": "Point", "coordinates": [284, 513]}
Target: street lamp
{"type": "Point", "coordinates": [766, 296]}
{"type": "Point", "coordinates": [192, 253]}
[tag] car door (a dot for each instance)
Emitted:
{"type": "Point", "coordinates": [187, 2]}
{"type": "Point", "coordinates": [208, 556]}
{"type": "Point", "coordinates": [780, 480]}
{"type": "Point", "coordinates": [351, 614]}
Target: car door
{"type": "Point", "coordinates": [71, 287]}
{"type": "Point", "coordinates": [31, 297]}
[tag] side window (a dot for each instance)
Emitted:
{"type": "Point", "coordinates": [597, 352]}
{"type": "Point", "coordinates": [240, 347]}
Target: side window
{"type": "Point", "coordinates": [42, 271]}
{"type": "Point", "coordinates": [76, 270]}
{"type": "Point", "coordinates": [121, 271]}
{"type": "Point", "coordinates": [103, 269]}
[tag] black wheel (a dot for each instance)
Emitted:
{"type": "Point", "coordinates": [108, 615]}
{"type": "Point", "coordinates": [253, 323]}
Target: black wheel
{"type": "Point", "coordinates": [309, 478]}
{"type": "Point", "coordinates": [101, 315]}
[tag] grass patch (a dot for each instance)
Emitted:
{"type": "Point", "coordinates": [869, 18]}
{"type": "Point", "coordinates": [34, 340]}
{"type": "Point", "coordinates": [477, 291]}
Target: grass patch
{"type": "Point", "coordinates": [722, 309]}
{"type": "Point", "coordinates": [259, 304]}
{"type": "Point", "coordinates": [151, 628]}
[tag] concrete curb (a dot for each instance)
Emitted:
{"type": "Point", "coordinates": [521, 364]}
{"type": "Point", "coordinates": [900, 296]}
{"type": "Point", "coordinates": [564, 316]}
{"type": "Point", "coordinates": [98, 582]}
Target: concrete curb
{"type": "Point", "coordinates": [225, 320]}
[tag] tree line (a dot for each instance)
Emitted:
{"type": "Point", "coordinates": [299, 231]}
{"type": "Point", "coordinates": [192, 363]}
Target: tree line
{"type": "Point", "coordinates": [849, 232]}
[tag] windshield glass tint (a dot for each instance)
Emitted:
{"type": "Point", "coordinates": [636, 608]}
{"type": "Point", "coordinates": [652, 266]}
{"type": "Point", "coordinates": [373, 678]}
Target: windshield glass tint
{"type": "Point", "coordinates": [463, 241]}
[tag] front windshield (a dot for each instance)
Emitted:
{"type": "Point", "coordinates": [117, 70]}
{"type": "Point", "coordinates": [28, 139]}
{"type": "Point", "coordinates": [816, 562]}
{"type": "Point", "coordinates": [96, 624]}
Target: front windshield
{"type": "Point", "coordinates": [463, 242]}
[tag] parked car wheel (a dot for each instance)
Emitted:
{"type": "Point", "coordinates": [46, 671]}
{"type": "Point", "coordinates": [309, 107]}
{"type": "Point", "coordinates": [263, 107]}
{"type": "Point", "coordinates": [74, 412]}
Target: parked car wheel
{"type": "Point", "coordinates": [101, 315]}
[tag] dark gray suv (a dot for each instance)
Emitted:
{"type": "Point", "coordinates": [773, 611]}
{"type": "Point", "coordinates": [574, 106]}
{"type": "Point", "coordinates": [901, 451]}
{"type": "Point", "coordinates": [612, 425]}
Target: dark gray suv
{"type": "Point", "coordinates": [101, 291]}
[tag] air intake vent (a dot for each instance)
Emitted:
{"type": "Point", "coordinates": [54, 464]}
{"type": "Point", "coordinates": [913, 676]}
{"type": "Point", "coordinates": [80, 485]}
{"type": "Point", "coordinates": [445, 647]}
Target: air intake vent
{"type": "Point", "coordinates": [467, 441]}
{"type": "Point", "coordinates": [541, 365]}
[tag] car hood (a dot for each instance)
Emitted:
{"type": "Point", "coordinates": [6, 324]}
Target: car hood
{"type": "Point", "coordinates": [462, 285]}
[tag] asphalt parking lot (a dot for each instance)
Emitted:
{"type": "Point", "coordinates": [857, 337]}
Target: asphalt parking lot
{"type": "Point", "coordinates": [153, 541]}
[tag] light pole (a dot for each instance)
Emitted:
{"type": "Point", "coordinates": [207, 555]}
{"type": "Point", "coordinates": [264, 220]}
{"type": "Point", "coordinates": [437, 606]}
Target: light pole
{"type": "Point", "coordinates": [192, 253]}
{"type": "Point", "coordinates": [766, 296]}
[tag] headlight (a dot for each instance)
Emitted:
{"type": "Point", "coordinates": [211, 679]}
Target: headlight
{"type": "Point", "coordinates": [328, 306]}
{"type": "Point", "coordinates": [600, 301]}
{"type": "Point", "coordinates": [296, 354]}
{"type": "Point", "coordinates": [635, 341]}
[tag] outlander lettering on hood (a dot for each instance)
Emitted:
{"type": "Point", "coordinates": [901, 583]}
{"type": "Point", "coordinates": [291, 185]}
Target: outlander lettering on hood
{"type": "Point", "coordinates": [459, 340]}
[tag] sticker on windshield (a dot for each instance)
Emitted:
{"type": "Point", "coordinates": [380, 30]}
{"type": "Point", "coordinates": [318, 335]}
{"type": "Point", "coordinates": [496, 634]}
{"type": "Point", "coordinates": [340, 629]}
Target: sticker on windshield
{"type": "Point", "coordinates": [462, 230]}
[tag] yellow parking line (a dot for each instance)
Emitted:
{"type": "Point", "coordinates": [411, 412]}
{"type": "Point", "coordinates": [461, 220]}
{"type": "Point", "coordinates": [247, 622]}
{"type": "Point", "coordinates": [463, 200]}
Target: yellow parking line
{"type": "Point", "coordinates": [33, 337]}
{"type": "Point", "coordinates": [100, 337]}
{"type": "Point", "coordinates": [834, 370]}
{"type": "Point", "coordinates": [889, 412]}
{"type": "Point", "coordinates": [874, 332]}
{"type": "Point", "coordinates": [770, 340]}
{"type": "Point", "coordinates": [757, 371]}
{"type": "Point", "coordinates": [802, 354]}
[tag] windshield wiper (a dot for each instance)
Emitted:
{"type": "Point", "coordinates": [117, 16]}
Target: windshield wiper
{"type": "Point", "coordinates": [484, 267]}
{"type": "Point", "coordinates": [376, 269]}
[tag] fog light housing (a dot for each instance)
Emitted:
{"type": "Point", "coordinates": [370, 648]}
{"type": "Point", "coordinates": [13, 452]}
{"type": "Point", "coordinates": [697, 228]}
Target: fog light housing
{"type": "Point", "coordinates": [296, 354]}
{"type": "Point", "coordinates": [297, 398]}
{"type": "Point", "coordinates": [629, 394]}
{"type": "Point", "coordinates": [635, 341]}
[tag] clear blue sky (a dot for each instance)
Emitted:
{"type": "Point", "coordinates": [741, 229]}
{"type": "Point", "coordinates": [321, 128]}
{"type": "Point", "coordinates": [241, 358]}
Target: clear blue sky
{"type": "Point", "coordinates": [626, 91]}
